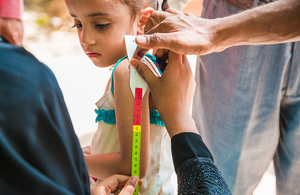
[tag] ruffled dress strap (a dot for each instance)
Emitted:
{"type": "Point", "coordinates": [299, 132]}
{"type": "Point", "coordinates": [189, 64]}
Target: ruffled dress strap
{"type": "Point", "coordinates": [155, 118]}
{"type": "Point", "coordinates": [112, 74]}
{"type": "Point", "coordinates": [151, 57]}
{"type": "Point", "coordinates": [107, 116]}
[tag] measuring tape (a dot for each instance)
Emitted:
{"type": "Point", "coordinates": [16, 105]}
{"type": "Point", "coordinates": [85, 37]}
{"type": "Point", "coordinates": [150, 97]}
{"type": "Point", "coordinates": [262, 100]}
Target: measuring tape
{"type": "Point", "coordinates": [138, 87]}
{"type": "Point", "coordinates": [136, 135]}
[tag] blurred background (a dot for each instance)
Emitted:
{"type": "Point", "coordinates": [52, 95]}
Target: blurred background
{"type": "Point", "coordinates": [49, 36]}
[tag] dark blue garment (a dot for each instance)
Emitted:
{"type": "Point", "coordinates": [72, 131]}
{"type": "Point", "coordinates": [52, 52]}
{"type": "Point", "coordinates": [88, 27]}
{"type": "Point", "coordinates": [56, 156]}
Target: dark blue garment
{"type": "Point", "coordinates": [39, 151]}
{"type": "Point", "coordinates": [194, 166]}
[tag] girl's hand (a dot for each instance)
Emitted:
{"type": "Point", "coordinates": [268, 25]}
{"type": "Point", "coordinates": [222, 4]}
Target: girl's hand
{"type": "Point", "coordinates": [114, 184]}
{"type": "Point", "coordinates": [86, 150]}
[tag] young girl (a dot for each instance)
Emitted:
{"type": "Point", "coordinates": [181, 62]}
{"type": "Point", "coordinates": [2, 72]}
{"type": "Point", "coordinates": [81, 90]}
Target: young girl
{"type": "Point", "coordinates": [101, 26]}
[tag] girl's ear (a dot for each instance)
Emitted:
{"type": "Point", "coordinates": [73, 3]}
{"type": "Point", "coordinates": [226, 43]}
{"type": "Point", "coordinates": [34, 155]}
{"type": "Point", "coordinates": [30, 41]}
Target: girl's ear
{"type": "Point", "coordinates": [144, 16]}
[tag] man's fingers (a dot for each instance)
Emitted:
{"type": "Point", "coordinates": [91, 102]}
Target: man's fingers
{"type": "Point", "coordinates": [12, 30]}
{"type": "Point", "coordinates": [157, 40]}
{"type": "Point", "coordinates": [7, 36]}
{"type": "Point", "coordinates": [155, 18]}
{"type": "Point", "coordinates": [130, 186]}
{"type": "Point", "coordinates": [8, 39]}
{"type": "Point", "coordinates": [174, 11]}
{"type": "Point", "coordinates": [190, 14]}
{"type": "Point", "coordinates": [174, 57]}
{"type": "Point", "coordinates": [14, 38]}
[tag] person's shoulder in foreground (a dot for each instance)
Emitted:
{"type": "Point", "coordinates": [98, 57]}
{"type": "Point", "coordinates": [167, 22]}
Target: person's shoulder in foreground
{"type": "Point", "coordinates": [41, 151]}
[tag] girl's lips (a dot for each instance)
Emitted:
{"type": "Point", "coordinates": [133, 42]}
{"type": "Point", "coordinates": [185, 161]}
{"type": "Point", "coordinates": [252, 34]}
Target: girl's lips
{"type": "Point", "coordinates": [92, 55]}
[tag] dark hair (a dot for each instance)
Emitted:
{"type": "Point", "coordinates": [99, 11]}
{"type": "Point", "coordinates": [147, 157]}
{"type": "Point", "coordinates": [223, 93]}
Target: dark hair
{"type": "Point", "coordinates": [137, 5]}
{"type": "Point", "coordinates": [164, 5]}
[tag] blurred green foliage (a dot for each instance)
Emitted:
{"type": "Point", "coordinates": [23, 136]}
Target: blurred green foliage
{"type": "Point", "coordinates": [52, 14]}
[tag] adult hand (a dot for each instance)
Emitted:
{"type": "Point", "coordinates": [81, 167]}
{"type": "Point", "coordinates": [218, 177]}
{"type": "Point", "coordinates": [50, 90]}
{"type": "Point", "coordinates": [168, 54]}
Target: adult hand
{"type": "Point", "coordinates": [86, 150]}
{"type": "Point", "coordinates": [186, 34]}
{"type": "Point", "coordinates": [173, 92]}
{"type": "Point", "coordinates": [114, 184]}
{"type": "Point", "coordinates": [178, 32]}
{"type": "Point", "coordinates": [12, 30]}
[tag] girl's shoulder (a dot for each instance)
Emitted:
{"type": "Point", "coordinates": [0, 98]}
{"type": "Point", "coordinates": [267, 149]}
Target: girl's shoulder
{"type": "Point", "coordinates": [122, 66]}
{"type": "Point", "coordinates": [121, 69]}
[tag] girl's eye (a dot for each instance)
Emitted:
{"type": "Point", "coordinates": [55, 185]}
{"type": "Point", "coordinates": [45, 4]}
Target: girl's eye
{"type": "Point", "coordinates": [102, 26]}
{"type": "Point", "coordinates": [77, 26]}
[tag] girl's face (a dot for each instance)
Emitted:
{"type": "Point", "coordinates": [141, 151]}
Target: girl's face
{"type": "Point", "coordinates": [101, 26]}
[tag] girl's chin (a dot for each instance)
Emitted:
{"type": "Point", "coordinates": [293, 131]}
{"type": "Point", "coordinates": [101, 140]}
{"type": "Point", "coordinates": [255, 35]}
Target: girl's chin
{"type": "Point", "coordinates": [105, 62]}
{"type": "Point", "coordinates": [101, 64]}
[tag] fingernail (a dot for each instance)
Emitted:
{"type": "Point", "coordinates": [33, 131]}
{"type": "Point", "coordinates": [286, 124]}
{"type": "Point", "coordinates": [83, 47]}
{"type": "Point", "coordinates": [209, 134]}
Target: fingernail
{"type": "Point", "coordinates": [133, 63]}
{"type": "Point", "coordinates": [141, 39]}
{"type": "Point", "coordinates": [134, 180]}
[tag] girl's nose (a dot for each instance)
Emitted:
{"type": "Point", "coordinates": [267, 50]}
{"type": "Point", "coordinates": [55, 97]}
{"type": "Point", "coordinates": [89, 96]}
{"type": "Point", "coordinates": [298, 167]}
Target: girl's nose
{"type": "Point", "coordinates": [87, 38]}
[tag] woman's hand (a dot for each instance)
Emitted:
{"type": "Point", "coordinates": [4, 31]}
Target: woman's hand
{"type": "Point", "coordinates": [172, 93]}
{"type": "Point", "coordinates": [114, 184]}
{"type": "Point", "coordinates": [86, 150]}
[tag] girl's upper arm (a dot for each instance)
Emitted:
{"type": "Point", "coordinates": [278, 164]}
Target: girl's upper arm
{"type": "Point", "coordinates": [124, 107]}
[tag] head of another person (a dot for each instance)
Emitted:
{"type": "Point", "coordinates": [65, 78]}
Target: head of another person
{"type": "Point", "coordinates": [102, 24]}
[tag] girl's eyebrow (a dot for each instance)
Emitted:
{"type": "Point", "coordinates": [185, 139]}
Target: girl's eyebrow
{"type": "Point", "coordinates": [92, 15]}
{"type": "Point", "coordinates": [73, 16]}
{"type": "Point", "coordinates": [97, 14]}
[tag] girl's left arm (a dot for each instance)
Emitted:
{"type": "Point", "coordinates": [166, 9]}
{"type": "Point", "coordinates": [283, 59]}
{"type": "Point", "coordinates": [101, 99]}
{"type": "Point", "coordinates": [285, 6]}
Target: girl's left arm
{"type": "Point", "coordinates": [104, 165]}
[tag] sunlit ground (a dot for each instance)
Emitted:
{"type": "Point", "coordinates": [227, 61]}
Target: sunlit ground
{"type": "Point", "coordinates": [83, 84]}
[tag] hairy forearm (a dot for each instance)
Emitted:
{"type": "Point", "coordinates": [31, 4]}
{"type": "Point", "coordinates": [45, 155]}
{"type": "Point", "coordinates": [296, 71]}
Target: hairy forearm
{"type": "Point", "coordinates": [277, 22]}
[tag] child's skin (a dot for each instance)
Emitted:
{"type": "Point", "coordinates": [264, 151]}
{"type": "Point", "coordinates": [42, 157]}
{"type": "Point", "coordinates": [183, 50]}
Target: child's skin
{"type": "Point", "coordinates": [101, 26]}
